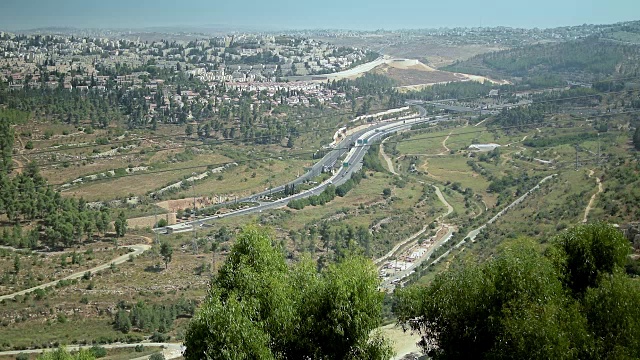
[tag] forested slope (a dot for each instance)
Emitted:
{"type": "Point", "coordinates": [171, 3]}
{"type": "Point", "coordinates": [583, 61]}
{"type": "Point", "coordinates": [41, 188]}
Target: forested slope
{"type": "Point", "coordinates": [581, 60]}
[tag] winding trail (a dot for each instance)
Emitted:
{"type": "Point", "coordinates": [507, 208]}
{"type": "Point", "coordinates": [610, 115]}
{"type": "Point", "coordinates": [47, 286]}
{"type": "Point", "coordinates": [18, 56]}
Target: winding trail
{"type": "Point", "coordinates": [593, 197]}
{"type": "Point", "coordinates": [19, 167]}
{"type": "Point", "coordinates": [137, 250]}
{"type": "Point", "coordinates": [387, 158]}
{"type": "Point", "coordinates": [444, 144]}
{"type": "Point", "coordinates": [471, 236]}
{"type": "Point", "coordinates": [20, 164]}
{"type": "Point", "coordinates": [443, 201]}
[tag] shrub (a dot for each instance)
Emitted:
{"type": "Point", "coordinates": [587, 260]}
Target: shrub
{"type": "Point", "coordinates": [157, 356]}
{"type": "Point", "coordinates": [159, 337]}
{"type": "Point", "coordinates": [98, 351]}
{"type": "Point", "coordinates": [39, 294]}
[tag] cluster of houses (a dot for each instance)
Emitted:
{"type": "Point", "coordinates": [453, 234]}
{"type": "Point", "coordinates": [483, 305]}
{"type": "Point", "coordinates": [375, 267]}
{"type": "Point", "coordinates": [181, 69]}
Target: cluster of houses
{"type": "Point", "coordinates": [244, 62]}
{"type": "Point", "coordinates": [238, 58]}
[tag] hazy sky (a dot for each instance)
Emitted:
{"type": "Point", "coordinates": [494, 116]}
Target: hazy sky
{"type": "Point", "coordinates": [351, 14]}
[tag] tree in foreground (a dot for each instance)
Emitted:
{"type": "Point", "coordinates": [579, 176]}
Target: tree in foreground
{"type": "Point", "coordinates": [523, 304]}
{"type": "Point", "coordinates": [258, 307]}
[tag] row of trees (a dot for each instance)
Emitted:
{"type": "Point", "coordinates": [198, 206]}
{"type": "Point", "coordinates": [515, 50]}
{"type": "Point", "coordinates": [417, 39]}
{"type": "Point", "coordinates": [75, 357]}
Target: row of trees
{"type": "Point", "coordinates": [370, 161]}
{"type": "Point", "coordinates": [572, 301]}
{"type": "Point", "coordinates": [151, 317]}
{"type": "Point", "coordinates": [329, 193]}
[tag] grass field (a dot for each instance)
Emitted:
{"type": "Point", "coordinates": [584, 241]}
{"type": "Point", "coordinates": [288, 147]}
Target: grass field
{"type": "Point", "coordinates": [456, 138]}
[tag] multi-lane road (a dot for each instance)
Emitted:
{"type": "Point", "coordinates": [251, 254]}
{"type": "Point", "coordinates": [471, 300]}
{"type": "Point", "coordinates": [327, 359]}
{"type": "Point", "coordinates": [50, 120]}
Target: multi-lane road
{"type": "Point", "coordinates": [342, 152]}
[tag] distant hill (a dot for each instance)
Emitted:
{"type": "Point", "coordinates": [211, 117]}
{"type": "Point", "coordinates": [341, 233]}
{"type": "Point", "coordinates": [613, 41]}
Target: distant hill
{"type": "Point", "coordinates": [579, 60]}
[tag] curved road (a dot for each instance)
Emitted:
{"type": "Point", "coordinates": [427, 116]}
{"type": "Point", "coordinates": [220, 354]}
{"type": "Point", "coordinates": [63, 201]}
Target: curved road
{"type": "Point", "coordinates": [137, 250]}
{"type": "Point", "coordinates": [353, 157]}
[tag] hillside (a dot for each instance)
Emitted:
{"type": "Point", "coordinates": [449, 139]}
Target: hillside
{"type": "Point", "coordinates": [580, 60]}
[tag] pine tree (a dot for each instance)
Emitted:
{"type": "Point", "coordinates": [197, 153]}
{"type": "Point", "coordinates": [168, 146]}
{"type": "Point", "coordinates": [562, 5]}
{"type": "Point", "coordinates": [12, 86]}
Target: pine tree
{"type": "Point", "coordinates": [121, 224]}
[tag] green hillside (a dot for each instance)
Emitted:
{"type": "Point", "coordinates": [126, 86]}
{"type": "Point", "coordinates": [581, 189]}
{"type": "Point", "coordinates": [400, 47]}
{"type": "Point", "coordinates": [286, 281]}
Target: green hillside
{"type": "Point", "coordinates": [580, 60]}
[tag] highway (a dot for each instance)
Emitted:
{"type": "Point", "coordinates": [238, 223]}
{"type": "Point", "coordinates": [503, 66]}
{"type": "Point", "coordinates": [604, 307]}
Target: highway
{"type": "Point", "coordinates": [354, 156]}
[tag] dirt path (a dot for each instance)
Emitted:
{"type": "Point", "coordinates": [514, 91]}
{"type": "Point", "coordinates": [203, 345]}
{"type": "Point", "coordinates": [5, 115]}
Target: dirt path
{"type": "Point", "coordinates": [20, 164]}
{"type": "Point", "coordinates": [170, 350]}
{"type": "Point", "coordinates": [516, 142]}
{"type": "Point", "coordinates": [481, 122]}
{"type": "Point", "coordinates": [137, 250]}
{"type": "Point", "coordinates": [387, 158]}
{"type": "Point", "coordinates": [444, 145]}
{"type": "Point", "coordinates": [593, 197]}
{"type": "Point", "coordinates": [443, 201]}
